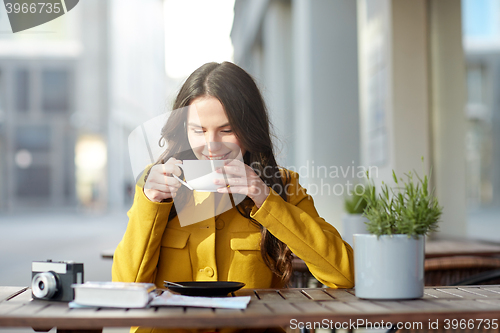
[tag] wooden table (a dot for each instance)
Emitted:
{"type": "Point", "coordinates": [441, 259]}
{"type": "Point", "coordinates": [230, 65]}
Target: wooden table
{"type": "Point", "coordinates": [473, 305]}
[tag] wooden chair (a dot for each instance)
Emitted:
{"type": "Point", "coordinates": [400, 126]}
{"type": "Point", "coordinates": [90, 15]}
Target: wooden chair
{"type": "Point", "coordinates": [301, 277]}
{"type": "Point", "coordinates": [447, 271]}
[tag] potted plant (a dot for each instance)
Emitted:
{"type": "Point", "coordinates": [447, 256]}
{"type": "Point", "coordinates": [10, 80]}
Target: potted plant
{"type": "Point", "coordinates": [353, 221]}
{"type": "Point", "coordinates": [389, 262]}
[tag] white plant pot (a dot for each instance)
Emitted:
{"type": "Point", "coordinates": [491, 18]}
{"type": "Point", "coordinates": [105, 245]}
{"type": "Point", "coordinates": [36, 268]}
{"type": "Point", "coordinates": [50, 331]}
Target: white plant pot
{"type": "Point", "coordinates": [390, 267]}
{"type": "Point", "coordinates": [353, 224]}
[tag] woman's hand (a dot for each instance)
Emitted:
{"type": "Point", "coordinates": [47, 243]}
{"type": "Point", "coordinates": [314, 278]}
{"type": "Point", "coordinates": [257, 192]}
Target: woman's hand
{"type": "Point", "coordinates": [243, 180]}
{"type": "Point", "coordinates": [160, 184]}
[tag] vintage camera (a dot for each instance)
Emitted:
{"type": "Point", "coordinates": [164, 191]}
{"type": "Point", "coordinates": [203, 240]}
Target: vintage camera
{"type": "Point", "coordinates": [52, 280]}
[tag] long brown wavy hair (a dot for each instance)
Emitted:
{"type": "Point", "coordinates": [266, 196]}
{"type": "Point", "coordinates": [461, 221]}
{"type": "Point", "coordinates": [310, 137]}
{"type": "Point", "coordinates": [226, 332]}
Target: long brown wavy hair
{"type": "Point", "coordinates": [247, 114]}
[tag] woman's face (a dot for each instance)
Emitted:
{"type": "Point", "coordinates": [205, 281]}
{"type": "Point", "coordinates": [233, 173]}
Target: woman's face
{"type": "Point", "coordinates": [209, 132]}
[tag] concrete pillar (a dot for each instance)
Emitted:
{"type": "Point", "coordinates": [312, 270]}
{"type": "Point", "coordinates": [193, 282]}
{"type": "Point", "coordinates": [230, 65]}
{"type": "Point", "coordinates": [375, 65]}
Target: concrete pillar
{"type": "Point", "coordinates": [394, 87]}
{"type": "Point", "coordinates": [326, 109]}
{"type": "Point", "coordinates": [410, 97]}
{"type": "Point", "coordinates": [412, 86]}
{"type": "Point", "coordinates": [495, 130]}
{"type": "Point", "coordinates": [448, 120]}
{"type": "Point", "coordinates": [277, 76]}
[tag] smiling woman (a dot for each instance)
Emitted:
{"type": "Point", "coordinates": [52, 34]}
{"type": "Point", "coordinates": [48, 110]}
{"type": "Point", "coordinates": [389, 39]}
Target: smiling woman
{"type": "Point", "coordinates": [220, 115]}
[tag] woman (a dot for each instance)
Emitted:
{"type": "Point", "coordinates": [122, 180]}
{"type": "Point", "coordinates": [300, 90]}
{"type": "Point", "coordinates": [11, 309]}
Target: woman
{"type": "Point", "coordinates": [222, 116]}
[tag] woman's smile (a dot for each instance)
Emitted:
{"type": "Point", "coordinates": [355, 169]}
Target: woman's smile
{"type": "Point", "coordinates": [216, 157]}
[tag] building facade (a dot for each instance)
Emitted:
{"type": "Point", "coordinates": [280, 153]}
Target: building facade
{"type": "Point", "coordinates": [303, 55]}
{"type": "Point", "coordinates": [362, 85]}
{"type": "Point", "coordinates": [71, 91]}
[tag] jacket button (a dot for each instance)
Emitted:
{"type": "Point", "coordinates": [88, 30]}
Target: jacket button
{"type": "Point", "coordinates": [209, 271]}
{"type": "Point", "coordinates": [219, 225]}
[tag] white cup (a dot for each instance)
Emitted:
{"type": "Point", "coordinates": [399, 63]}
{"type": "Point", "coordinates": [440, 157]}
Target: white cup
{"type": "Point", "coordinates": [200, 174]}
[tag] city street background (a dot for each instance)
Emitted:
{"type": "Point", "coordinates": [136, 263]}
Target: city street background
{"type": "Point", "coordinates": [27, 237]}
{"type": "Point", "coordinates": [58, 236]}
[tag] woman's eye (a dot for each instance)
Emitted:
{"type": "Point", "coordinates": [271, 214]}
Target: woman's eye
{"type": "Point", "coordinates": [227, 131]}
{"type": "Point", "coordinates": [198, 131]}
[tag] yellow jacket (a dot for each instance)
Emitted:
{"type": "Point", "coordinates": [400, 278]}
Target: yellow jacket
{"type": "Point", "coordinates": [226, 247]}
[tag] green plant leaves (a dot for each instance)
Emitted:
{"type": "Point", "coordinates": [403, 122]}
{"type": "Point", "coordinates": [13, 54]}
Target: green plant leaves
{"type": "Point", "coordinates": [409, 208]}
{"type": "Point", "coordinates": [356, 203]}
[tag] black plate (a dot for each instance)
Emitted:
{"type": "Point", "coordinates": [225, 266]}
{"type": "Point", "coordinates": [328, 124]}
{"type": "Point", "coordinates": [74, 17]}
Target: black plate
{"type": "Point", "coordinates": [205, 288]}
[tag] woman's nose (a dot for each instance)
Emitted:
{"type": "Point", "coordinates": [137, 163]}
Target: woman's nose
{"type": "Point", "coordinates": [213, 142]}
{"type": "Point", "coordinates": [213, 147]}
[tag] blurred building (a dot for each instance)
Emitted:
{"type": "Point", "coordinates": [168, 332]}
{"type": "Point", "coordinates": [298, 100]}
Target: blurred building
{"type": "Point", "coordinates": [71, 91]}
{"type": "Point", "coordinates": [138, 85]}
{"type": "Point", "coordinates": [482, 49]}
{"type": "Point", "coordinates": [303, 55]}
{"type": "Point", "coordinates": [371, 83]}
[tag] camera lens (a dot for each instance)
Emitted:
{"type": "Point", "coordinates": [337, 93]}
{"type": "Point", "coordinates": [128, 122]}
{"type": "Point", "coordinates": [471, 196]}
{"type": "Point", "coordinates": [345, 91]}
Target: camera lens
{"type": "Point", "coordinates": [44, 285]}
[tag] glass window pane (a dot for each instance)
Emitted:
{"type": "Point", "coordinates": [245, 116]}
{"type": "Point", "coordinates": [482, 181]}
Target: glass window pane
{"type": "Point", "coordinates": [475, 84]}
{"type": "Point", "coordinates": [55, 90]}
{"type": "Point", "coordinates": [22, 90]}
{"type": "Point", "coordinates": [33, 182]}
{"type": "Point", "coordinates": [2, 100]}
{"type": "Point", "coordinates": [33, 138]}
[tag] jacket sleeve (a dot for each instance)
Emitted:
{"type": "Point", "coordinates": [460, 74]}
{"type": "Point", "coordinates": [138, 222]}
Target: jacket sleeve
{"type": "Point", "coordinates": [296, 223]}
{"type": "Point", "coordinates": [136, 257]}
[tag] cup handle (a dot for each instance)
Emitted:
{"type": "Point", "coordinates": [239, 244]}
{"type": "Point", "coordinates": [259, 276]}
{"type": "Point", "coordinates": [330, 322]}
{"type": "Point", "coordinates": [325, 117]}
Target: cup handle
{"type": "Point", "coordinates": [183, 182]}
{"type": "Point", "coordinates": [180, 166]}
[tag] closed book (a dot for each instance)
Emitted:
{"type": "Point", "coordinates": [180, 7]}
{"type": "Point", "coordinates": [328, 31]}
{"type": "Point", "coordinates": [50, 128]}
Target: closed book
{"type": "Point", "coordinates": [113, 294]}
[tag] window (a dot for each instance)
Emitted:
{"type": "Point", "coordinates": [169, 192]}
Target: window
{"type": "Point", "coordinates": [55, 90]}
{"type": "Point", "coordinates": [475, 84]}
{"type": "Point", "coordinates": [21, 90]}
{"type": "Point", "coordinates": [33, 182]}
{"type": "Point", "coordinates": [34, 138]}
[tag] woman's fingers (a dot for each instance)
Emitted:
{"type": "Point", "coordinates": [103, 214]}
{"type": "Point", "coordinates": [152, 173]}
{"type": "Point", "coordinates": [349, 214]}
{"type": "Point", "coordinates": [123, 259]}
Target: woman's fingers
{"type": "Point", "coordinates": [235, 190]}
{"type": "Point", "coordinates": [232, 181]}
{"type": "Point", "coordinates": [158, 196]}
{"type": "Point", "coordinates": [242, 179]}
{"type": "Point", "coordinates": [163, 179]}
{"type": "Point", "coordinates": [234, 167]}
{"type": "Point", "coordinates": [251, 191]}
{"type": "Point", "coordinates": [158, 192]}
{"type": "Point", "coordinates": [169, 168]}
{"type": "Point", "coordinates": [236, 175]}
{"type": "Point", "coordinates": [160, 184]}
{"type": "Point", "coordinates": [161, 187]}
